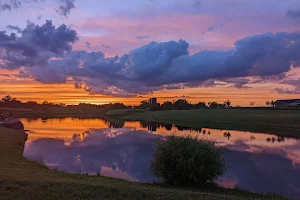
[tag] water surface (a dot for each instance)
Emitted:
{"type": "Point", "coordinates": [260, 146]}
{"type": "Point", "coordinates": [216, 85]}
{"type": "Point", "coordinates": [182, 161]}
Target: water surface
{"type": "Point", "coordinates": [257, 162]}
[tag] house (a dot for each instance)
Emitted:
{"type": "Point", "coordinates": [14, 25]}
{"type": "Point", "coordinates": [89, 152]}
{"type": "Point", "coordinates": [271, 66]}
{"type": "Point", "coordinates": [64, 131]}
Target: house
{"type": "Point", "coordinates": [287, 102]}
{"type": "Point", "coordinates": [152, 101]}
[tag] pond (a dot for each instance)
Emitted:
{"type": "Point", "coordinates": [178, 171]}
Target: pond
{"type": "Point", "coordinates": [257, 162]}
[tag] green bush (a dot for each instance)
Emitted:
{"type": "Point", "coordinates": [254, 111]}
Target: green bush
{"type": "Point", "coordinates": [188, 162]}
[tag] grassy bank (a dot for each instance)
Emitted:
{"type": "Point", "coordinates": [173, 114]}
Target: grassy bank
{"type": "Point", "coordinates": [280, 122]}
{"type": "Point", "coordinates": [24, 179]}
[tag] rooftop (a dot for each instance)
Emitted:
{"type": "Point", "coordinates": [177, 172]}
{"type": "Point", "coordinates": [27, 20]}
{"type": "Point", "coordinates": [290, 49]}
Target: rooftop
{"type": "Point", "coordinates": [288, 101]}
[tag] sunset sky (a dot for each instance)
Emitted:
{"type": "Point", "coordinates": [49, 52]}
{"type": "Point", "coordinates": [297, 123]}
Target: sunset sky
{"type": "Point", "coordinates": [105, 51]}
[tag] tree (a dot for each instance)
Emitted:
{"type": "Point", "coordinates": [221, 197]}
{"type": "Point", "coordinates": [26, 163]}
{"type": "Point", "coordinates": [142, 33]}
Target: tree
{"type": "Point", "coordinates": [252, 103]}
{"type": "Point", "coordinates": [8, 101]}
{"type": "Point", "coordinates": [273, 103]}
{"type": "Point", "coordinates": [216, 105]}
{"type": "Point", "coordinates": [187, 161]}
{"type": "Point", "coordinates": [154, 107]}
{"type": "Point", "coordinates": [7, 98]}
{"type": "Point", "coordinates": [144, 104]}
{"type": "Point", "coordinates": [182, 104]}
{"type": "Point", "coordinates": [227, 103]}
{"type": "Point", "coordinates": [167, 105]}
{"type": "Point", "coordinates": [200, 105]}
{"type": "Point", "coordinates": [227, 135]}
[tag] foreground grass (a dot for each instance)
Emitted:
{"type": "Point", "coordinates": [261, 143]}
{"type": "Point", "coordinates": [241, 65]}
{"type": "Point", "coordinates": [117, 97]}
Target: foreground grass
{"type": "Point", "coordinates": [279, 122]}
{"type": "Point", "coordinates": [24, 179]}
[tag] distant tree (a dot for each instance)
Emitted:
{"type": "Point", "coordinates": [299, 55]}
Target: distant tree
{"type": "Point", "coordinates": [252, 103]}
{"type": "Point", "coordinates": [227, 103]}
{"type": "Point", "coordinates": [167, 105]}
{"type": "Point", "coordinates": [272, 103]}
{"type": "Point", "coordinates": [200, 105]}
{"type": "Point", "coordinates": [227, 135]}
{"type": "Point", "coordinates": [8, 101]}
{"type": "Point", "coordinates": [182, 104]}
{"type": "Point", "coordinates": [144, 104]}
{"type": "Point", "coordinates": [62, 105]}
{"type": "Point", "coordinates": [31, 104]}
{"type": "Point", "coordinates": [45, 103]}
{"type": "Point", "coordinates": [154, 107]}
{"type": "Point", "coordinates": [216, 105]}
{"type": "Point", "coordinates": [7, 98]}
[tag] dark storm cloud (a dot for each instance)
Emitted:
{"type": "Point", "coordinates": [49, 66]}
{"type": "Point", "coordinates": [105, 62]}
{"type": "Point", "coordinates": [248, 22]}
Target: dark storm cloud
{"type": "Point", "coordinates": [149, 68]}
{"type": "Point", "coordinates": [36, 45]}
{"type": "Point", "coordinates": [295, 14]}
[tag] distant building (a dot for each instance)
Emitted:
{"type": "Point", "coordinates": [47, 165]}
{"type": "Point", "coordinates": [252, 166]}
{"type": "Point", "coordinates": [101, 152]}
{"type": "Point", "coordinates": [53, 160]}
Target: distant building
{"type": "Point", "coordinates": [152, 101]}
{"type": "Point", "coordinates": [288, 102]}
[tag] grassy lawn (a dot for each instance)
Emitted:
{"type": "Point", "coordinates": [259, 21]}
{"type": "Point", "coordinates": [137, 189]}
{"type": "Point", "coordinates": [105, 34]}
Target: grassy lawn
{"type": "Point", "coordinates": [280, 122]}
{"type": "Point", "coordinates": [24, 179]}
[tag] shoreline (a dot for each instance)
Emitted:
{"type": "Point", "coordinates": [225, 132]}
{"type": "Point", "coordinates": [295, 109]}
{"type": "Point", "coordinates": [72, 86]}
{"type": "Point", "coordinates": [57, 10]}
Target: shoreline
{"type": "Point", "coordinates": [30, 179]}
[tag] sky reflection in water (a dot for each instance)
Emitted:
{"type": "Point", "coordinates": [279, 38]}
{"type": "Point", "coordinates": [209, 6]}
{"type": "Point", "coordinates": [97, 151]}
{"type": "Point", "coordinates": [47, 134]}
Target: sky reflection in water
{"type": "Point", "coordinates": [257, 162]}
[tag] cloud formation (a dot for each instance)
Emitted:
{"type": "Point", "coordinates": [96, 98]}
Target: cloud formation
{"type": "Point", "coordinates": [36, 45]}
{"type": "Point", "coordinates": [64, 8]}
{"type": "Point", "coordinates": [293, 82]}
{"type": "Point", "coordinates": [212, 28]}
{"type": "Point", "coordinates": [14, 28]}
{"type": "Point", "coordinates": [45, 53]}
{"type": "Point", "coordinates": [293, 14]}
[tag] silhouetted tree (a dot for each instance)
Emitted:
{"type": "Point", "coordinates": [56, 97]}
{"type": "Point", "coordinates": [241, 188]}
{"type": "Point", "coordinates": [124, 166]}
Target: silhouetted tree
{"type": "Point", "coordinates": [144, 104]}
{"type": "Point", "coordinates": [154, 107]}
{"type": "Point", "coordinates": [251, 103]}
{"type": "Point", "coordinates": [227, 135]}
{"type": "Point", "coordinates": [200, 105]}
{"type": "Point", "coordinates": [182, 104]}
{"type": "Point", "coordinates": [227, 103]}
{"type": "Point", "coordinates": [7, 98]}
{"type": "Point", "coordinates": [167, 105]}
{"type": "Point", "coordinates": [216, 105]}
{"type": "Point", "coordinates": [273, 103]}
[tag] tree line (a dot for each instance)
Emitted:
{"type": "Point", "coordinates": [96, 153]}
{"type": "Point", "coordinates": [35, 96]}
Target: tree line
{"type": "Point", "coordinates": [183, 104]}
{"type": "Point", "coordinates": [10, 102]}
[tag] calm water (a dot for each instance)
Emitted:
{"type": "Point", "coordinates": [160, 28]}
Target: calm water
{"type": "Point", "coordinates": [257, 162]}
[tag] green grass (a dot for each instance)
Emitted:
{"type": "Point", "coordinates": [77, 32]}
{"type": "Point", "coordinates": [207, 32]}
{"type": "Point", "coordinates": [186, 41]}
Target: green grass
{"type": "Point", "coordinates": [24, 179]}
{"type": "Point", "coordinates": [280, 122]}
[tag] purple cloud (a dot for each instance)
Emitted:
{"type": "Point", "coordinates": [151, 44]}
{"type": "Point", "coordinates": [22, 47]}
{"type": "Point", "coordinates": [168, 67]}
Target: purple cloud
{"type": "Point", "coordinates": [66, 7]}
{"type": "Point", "coordinates": [149, 68]}
{"type": "Point", "coordinates": [36, 45]}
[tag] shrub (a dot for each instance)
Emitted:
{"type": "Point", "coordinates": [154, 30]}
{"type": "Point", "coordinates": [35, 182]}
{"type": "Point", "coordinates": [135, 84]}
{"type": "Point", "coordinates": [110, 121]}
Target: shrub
{"type": "Point", "coordinates": [187, 162]}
